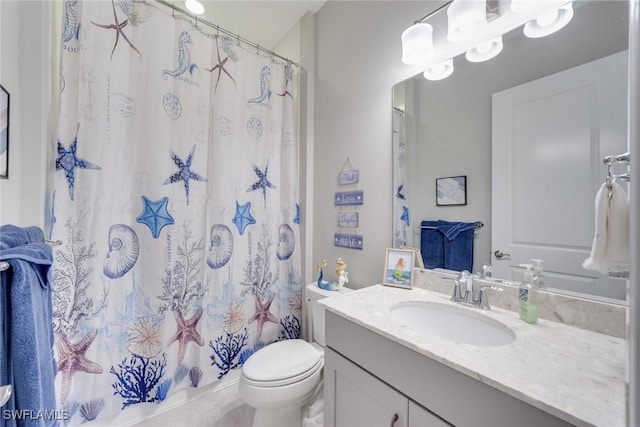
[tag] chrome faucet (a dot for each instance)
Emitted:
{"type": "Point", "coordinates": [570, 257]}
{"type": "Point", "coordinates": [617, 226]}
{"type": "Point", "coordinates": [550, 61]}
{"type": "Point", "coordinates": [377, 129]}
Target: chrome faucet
{"type": "Point", "coordinates": [483, 299]}
{"type": "Point", "coordinates": [457, 291]}
{"type": "Point", "coordinates": [467, 299]}
{"type": "Point", "coordinates": [486, 271]}
{"type": "Point", "coordinates": [468, 295]}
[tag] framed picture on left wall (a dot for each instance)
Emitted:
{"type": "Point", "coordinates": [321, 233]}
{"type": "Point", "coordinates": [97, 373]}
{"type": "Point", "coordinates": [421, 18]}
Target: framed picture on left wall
{"type": "Point", "coordinates": [4, 133]}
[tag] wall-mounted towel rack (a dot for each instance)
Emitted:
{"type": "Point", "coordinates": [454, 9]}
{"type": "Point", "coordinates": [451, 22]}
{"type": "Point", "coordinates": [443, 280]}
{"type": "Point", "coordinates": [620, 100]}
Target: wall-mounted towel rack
{"type": "Point", "coordinates": [479, 224]}
{"type": "Point", "coordinates": [622, 159]}
{"type": "Point", "coordinates": [5, 265]}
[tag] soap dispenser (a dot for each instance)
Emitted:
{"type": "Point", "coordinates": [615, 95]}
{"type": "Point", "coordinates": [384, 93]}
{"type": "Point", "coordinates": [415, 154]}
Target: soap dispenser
{"type": "Point", "coordinates": [538, 274]}
{"type": "Point", "coordinates": [528, 310]}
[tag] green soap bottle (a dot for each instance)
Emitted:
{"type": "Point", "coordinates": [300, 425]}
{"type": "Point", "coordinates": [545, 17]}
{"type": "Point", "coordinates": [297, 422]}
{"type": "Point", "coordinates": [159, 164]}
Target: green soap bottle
{"type": "Point", "coordinates": [538, 274]}
{"type": "Point", "coordinates": [528, 310]}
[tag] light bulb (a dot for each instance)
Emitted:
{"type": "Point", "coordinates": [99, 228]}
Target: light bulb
{"type": "Point", "coordinates": [417, 44]}
{"type": "Point", "coordinates": [549, 21]}
{"type": "Point", "coordinates": [464, 18]}
{"type": "Point", "coordinates": [439, 71]}
{"type": "Point", "coordinates": [484, 47]}
{"type": "Point", "coordinates": [485, 50]}
{"type": "Point", "coordinates": [547, 18]}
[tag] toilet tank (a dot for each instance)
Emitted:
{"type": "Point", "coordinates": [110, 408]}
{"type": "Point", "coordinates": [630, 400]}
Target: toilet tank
{"type": "Point", "coordinates": [315, 311]}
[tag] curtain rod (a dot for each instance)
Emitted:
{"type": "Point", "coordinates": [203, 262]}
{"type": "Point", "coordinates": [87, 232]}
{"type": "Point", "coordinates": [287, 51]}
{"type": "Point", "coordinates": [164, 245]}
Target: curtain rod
{"type": "Point", "coordinates": [222, 30]}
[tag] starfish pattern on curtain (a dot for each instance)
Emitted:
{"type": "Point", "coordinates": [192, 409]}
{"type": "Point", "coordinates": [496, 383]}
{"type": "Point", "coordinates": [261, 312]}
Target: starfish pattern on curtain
{"type": "Point", "coordinates": [160, 287]}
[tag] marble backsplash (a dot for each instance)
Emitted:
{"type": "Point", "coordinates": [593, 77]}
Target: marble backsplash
{"type": "Point", "coordinates": [596, 316]}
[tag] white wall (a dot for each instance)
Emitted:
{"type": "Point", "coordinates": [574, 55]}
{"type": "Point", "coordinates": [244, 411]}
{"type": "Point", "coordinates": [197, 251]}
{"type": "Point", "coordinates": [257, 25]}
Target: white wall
{"type": "Point", "coordinates": [358, 61]}
{"type": "Point", "coordinates": [25, 71]}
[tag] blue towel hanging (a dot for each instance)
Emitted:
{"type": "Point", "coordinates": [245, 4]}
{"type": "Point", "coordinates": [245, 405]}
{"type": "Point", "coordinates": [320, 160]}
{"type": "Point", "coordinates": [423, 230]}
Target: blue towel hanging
{"type": "Point", "coordinates": [26, 361]}
{"type": "Point", "coordinates": [449, 245]}
{"type": "Point", "coordinates": [431, 244]}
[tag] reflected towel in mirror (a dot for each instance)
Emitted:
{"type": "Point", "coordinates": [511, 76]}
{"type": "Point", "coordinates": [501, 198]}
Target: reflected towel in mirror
{"type": "Point", "coordinates": [449, 245]}
{"type": "Point", "coordinates": [610, 249]}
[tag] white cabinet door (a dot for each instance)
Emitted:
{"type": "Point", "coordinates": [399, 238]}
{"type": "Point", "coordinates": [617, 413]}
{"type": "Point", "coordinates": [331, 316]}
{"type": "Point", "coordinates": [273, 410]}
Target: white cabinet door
{"type": "Point", "coordinates": [549, 139]}
{"type": "Point", "coordinates": [355, 398]}
{"type": "Point", "coordinates": [422, 417]}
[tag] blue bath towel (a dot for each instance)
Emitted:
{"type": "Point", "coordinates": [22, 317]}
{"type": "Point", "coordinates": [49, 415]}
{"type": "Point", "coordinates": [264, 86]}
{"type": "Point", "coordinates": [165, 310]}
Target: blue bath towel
{"type": "Point", "coordinates": [27, 360]}
{"type": "Point", "coordinates": [453, 229]}
{"type": "Point", "coordinates": [458, 252]}
{"type": "Point", "coordinates": [446, 244]}
{"type": "Point", "coordinates": [431, 244]}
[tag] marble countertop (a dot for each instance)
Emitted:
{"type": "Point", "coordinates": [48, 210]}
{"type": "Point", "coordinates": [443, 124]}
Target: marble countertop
{"type": "Point", "coordinates": [574, 374]}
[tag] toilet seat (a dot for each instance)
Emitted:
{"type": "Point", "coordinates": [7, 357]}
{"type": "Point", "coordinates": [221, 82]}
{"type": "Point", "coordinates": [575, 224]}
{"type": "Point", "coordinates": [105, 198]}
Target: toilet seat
{"type": "Point", "coordinates": [282, 363]}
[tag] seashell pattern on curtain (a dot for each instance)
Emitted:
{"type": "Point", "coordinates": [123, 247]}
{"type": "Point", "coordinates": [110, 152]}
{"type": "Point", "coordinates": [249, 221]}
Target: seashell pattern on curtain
{"type": "Point", "coordinates": [176, 199]}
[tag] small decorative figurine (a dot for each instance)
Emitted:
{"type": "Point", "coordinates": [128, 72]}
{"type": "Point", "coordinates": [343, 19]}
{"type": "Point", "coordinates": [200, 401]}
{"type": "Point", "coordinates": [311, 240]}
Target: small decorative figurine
{"type": "Point", "coordinates": [323, 284]}
{"type": "Point", "coordinates": [342, 273]}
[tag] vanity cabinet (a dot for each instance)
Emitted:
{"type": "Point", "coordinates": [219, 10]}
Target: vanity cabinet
{"type": "Point", "coordinates": [361, 399]}
{"type": "Point", "coordinates": [370, 378]}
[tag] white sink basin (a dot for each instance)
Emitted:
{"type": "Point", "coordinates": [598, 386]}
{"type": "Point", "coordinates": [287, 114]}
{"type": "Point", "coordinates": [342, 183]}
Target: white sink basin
{"type": "Point", "coordinates": [452, 323]}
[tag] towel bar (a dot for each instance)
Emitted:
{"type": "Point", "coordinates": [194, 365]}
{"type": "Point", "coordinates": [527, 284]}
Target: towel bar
{"type": "Point", "coordinates": [5, 265]}
{"type": "Point", "coordinates": [623, 158]}
{"type": "Point", "coordinates": [479, 224]}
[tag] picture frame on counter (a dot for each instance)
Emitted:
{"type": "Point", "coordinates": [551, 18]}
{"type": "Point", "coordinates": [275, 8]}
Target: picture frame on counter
{"type": "Point", "coordinates": [398, 268]}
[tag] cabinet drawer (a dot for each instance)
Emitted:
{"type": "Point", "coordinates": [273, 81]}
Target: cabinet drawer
{"type": "Point", "coordinates": [355, 398]}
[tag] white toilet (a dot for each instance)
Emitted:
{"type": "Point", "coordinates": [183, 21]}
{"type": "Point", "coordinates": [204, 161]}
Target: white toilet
{"type": "Point", "coordinates": [279, 379]}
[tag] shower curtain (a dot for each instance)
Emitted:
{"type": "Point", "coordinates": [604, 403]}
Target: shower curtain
{"type": "Point", "coordinates": [175, 200]}
{"type": "Point", "coordinates": [402, 235]}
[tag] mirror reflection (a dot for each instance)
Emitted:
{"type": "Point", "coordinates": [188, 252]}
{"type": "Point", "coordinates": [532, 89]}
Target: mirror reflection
{"type": "Point", "coordinates": [564, 99]}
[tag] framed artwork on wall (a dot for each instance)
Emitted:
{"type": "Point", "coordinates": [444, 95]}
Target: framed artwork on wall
{"type": "Point", "coordinates": [398, 268]}
{"type": "Point", "coordinates": [4, 133]}
{"type": "Point", "coordinates": [451, 191]}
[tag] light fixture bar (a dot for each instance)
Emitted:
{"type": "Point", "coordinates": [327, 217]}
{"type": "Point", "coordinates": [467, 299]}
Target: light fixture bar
{"type": "Point", "coordinates": [507, 21]}
{"type": "Point", "coordinates": [429, 15]}
{"type": "Point", "coordinates": [475, 28]}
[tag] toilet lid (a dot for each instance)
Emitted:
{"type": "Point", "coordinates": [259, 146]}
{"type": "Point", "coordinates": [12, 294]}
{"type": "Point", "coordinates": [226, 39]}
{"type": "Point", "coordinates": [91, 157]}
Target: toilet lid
{"type": "Point", "coordinates": [281, 360]}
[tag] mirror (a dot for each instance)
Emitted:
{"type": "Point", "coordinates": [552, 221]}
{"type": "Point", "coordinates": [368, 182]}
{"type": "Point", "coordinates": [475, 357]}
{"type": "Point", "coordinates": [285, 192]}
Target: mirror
{"type": "Point", "coordinates": [444, 129]}
{"type": "Point", "coordinates": [4, 133]}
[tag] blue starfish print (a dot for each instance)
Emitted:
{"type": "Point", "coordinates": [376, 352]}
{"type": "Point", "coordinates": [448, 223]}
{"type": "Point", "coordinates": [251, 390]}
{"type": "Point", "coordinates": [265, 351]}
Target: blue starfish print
{"type": "Point", "coordinates": [68, 161]}
{"type": "Point", "coordinates": [243, 217]}
{"type": "Point", "coordinates": [297, 218]}
{"type": "Point", "coordinates": [184, 173]}
{"type": "Point", "coordinates": [155, 215]}
{"type": "Point", "coordinates": [405, 215]}
{"type": "Point", "coordinates": [262, 183]}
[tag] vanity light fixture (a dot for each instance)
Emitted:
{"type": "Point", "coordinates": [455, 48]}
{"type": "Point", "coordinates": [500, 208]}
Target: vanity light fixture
{"type": "Point", "coordinates": [485, 50]}
{"type": "Point", "coordinates": [417, 43]}
{"type": "Point", "coordinates": [439, 71]}
{"type": "Point", "coordinates": [194, 6]}
{"type": "Point", "coordinates": [465, 18]}
{"type": "Point", "coordinates": [476, 27]}
{"type": "Point", "coordinates": [549, 22]}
